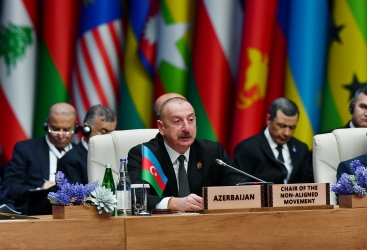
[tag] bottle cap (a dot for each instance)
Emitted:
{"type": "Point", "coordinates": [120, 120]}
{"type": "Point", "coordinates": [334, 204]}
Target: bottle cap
{"type": "Point", "coordinates": [123, 159]}
{"type": "Point", "coordinates": [108, 166]}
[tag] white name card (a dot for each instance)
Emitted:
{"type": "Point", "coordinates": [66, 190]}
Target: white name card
{"type": "Point", "coordinates": [305, 194]}
{"type": "Point", "coordinates": [234, 197]}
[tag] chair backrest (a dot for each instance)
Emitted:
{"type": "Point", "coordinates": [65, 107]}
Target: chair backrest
{"type": "Point", "coordinates": [110, 148]}
{"type": "Point", "coordinates": [332, 148]}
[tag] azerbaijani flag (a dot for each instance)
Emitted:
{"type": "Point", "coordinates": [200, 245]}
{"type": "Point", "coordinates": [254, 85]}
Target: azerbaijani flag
{"type": "Point", "coordinates": [152, 171]}
{"type": "Point", "coordinates": [347, 63]}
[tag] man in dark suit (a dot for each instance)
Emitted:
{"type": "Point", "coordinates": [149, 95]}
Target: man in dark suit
{"type": "Point", "coordinates": [358, 110]}
{"type": "Point", "coordinates": [274, 155]}
{"type": "Point", "coordinates": [99, 120]}
{"type": "Point", "coordinates": [34, 161]}
{"type": "Point", "coordinates": [180, 154]}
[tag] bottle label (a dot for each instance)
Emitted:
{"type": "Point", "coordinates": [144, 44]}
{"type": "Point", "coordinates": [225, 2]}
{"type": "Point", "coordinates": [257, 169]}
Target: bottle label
{"type": "Point", "coordinates": [123, 199]}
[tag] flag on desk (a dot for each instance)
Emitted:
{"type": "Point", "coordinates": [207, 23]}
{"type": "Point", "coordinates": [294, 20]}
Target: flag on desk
{"type": "Point", "coordinates": [152, 171]}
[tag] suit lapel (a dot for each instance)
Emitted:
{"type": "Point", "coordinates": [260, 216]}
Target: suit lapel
{"type": "Point", "coordinates": [294, 157]}
{"type": "Point", "coordinates": [193, 172]}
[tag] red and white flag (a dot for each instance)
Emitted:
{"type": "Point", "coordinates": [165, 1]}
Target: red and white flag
{"type": "Point", "coordinates": [99, 49]}
{"type": "Point", "coordinates": [17, 72]}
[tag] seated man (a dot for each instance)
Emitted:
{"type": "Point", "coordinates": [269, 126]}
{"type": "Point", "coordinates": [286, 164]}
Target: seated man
{"type": "Point", "coordinates": [99, 120]}
{"type": "Point", "coordinates": [358, 110]}
{"type": "Point", "coordinates": [274, 155]}
{"type": "Point", "coordinates": [180, 154]}
{"type": "Point", "coordinates": [34, 161]}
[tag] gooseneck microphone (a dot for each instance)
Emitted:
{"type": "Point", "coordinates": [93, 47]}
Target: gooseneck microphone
{"type": "Point", "coordinates": [222, 163]}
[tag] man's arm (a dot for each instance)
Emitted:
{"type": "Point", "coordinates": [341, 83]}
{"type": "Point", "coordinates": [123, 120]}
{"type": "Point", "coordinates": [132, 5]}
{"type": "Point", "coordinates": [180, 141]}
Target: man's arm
{"type": "Point", "coordinates": [16, 174]}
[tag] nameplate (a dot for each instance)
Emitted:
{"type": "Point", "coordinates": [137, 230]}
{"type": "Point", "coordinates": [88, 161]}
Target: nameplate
{"type": "Point", "coordinates": [305, 194]}
{"type": "Point", "coordinates": [234, 197]}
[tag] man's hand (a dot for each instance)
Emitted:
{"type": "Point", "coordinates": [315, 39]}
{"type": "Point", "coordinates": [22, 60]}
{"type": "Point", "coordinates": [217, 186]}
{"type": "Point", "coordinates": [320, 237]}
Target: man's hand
{"type": "Point", "coordinates": [190, 202]}
{"type": "Point", "coordinates": [48, 184]}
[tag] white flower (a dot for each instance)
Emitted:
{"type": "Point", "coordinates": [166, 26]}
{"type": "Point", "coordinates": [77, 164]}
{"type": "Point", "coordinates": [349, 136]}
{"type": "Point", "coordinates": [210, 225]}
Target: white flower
{"type": "Point", "coordinates": [103, 198]}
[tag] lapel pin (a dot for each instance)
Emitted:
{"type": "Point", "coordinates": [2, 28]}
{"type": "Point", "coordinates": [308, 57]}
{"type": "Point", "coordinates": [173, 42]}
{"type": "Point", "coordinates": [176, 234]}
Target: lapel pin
{"type": "Point", "coordinates": [294, 149]}
{"type": "Point", "coordinates": [199, 165]}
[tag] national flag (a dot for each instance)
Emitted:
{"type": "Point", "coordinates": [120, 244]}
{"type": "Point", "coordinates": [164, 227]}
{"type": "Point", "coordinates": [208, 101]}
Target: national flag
{"type": "Point", "coordinates": [152, 171]}
{"type": "Point", "coordinates": [175, 31]}
{"type": "Point", "coordinates": [253, 70]}
{"type": "Point", "coordinates": [99, 55]}
{"type": "Point", "coordinates": [306, 63]}
{"type": "Point", "coordinates": [214, 67]}
{"type": "Point", "coordinates": [278, 56]}
{"type": "Point", "coordinates": [137, 88]}
{"type": "Point", "coordinates": [18, 43]}
{"type": "Point", "coordinates": [148, 40]}
{"type": "Point", "coordinates": [57, 55]}
{"type": "Point", "coordinates": [347, 62]}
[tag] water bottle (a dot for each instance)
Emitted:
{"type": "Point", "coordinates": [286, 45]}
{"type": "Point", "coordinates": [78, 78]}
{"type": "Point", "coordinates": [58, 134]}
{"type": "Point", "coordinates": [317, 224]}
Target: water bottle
{"type": "Point", "coordinates": [108, 181]}
{"type": "Point", "coordinates": [123, 193]}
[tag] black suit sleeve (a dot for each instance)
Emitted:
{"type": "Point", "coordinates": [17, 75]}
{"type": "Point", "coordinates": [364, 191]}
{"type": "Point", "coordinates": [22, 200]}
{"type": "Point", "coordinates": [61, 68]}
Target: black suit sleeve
{"type": "Point", "coordinates": [16, 175]}
{"type": "Point", "coordinates": [306, 169]}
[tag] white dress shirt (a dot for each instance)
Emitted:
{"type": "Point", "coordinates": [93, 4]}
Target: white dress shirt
{"type": "Point", "coordinates": [285, 151]}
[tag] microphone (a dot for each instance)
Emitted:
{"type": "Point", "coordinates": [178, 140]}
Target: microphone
{"type": "Point", "coordinates": [222, 163]}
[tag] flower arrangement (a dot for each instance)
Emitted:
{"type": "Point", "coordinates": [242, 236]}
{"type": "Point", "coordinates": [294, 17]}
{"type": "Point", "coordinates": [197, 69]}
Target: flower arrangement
{"type": "Point", "coordinates": [352, 184]}
{"type": "Point", "coordinates": [77, 194]}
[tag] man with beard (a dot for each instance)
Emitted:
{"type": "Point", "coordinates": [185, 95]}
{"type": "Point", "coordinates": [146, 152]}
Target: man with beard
{"type": "Point", "coordinates": [188, 164]}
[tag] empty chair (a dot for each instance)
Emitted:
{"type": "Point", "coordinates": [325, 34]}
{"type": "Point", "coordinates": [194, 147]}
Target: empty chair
{"type": "Point", "coordinates": [110, 148]}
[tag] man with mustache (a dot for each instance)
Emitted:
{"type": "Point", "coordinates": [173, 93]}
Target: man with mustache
{"type": "Point", "coordinates": [180, 154]}
{"type": "Point", "coordinates": [274, 155]}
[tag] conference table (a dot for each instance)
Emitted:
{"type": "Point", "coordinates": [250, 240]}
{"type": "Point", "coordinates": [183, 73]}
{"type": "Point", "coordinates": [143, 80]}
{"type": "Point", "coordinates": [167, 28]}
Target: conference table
{"type": "Point", "coordinates": [340, 228]}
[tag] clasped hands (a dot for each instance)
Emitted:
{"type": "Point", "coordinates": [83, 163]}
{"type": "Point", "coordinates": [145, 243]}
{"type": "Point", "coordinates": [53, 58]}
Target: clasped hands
{"type": "Point", "coordinates": [192, 202]}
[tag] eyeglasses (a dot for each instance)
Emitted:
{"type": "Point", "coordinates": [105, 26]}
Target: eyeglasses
{"type": "Point", "coordinates": [60, 132]}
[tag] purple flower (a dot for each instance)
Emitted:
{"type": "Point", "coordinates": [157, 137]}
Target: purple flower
{"type": "Point", "coordinates": [352, 184]}
{"type": "Point", "coordinates": [354, 165]}
{"type": "Point", "coordinates": [70, 194]}
{"type": "Point", "coordinates": [345, 185]}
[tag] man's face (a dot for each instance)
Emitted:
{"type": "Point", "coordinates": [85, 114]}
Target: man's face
{"type": "Point", "coordinates": [178, 126]}
{"type": "Point", "coordinates": [282, 127]}
{"type": "Point", "coordinates": [101, 127]}
{"type": "Point", "coordinates": [360, 111]}
{"type": "Point", "coordinates": [61, 123]}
